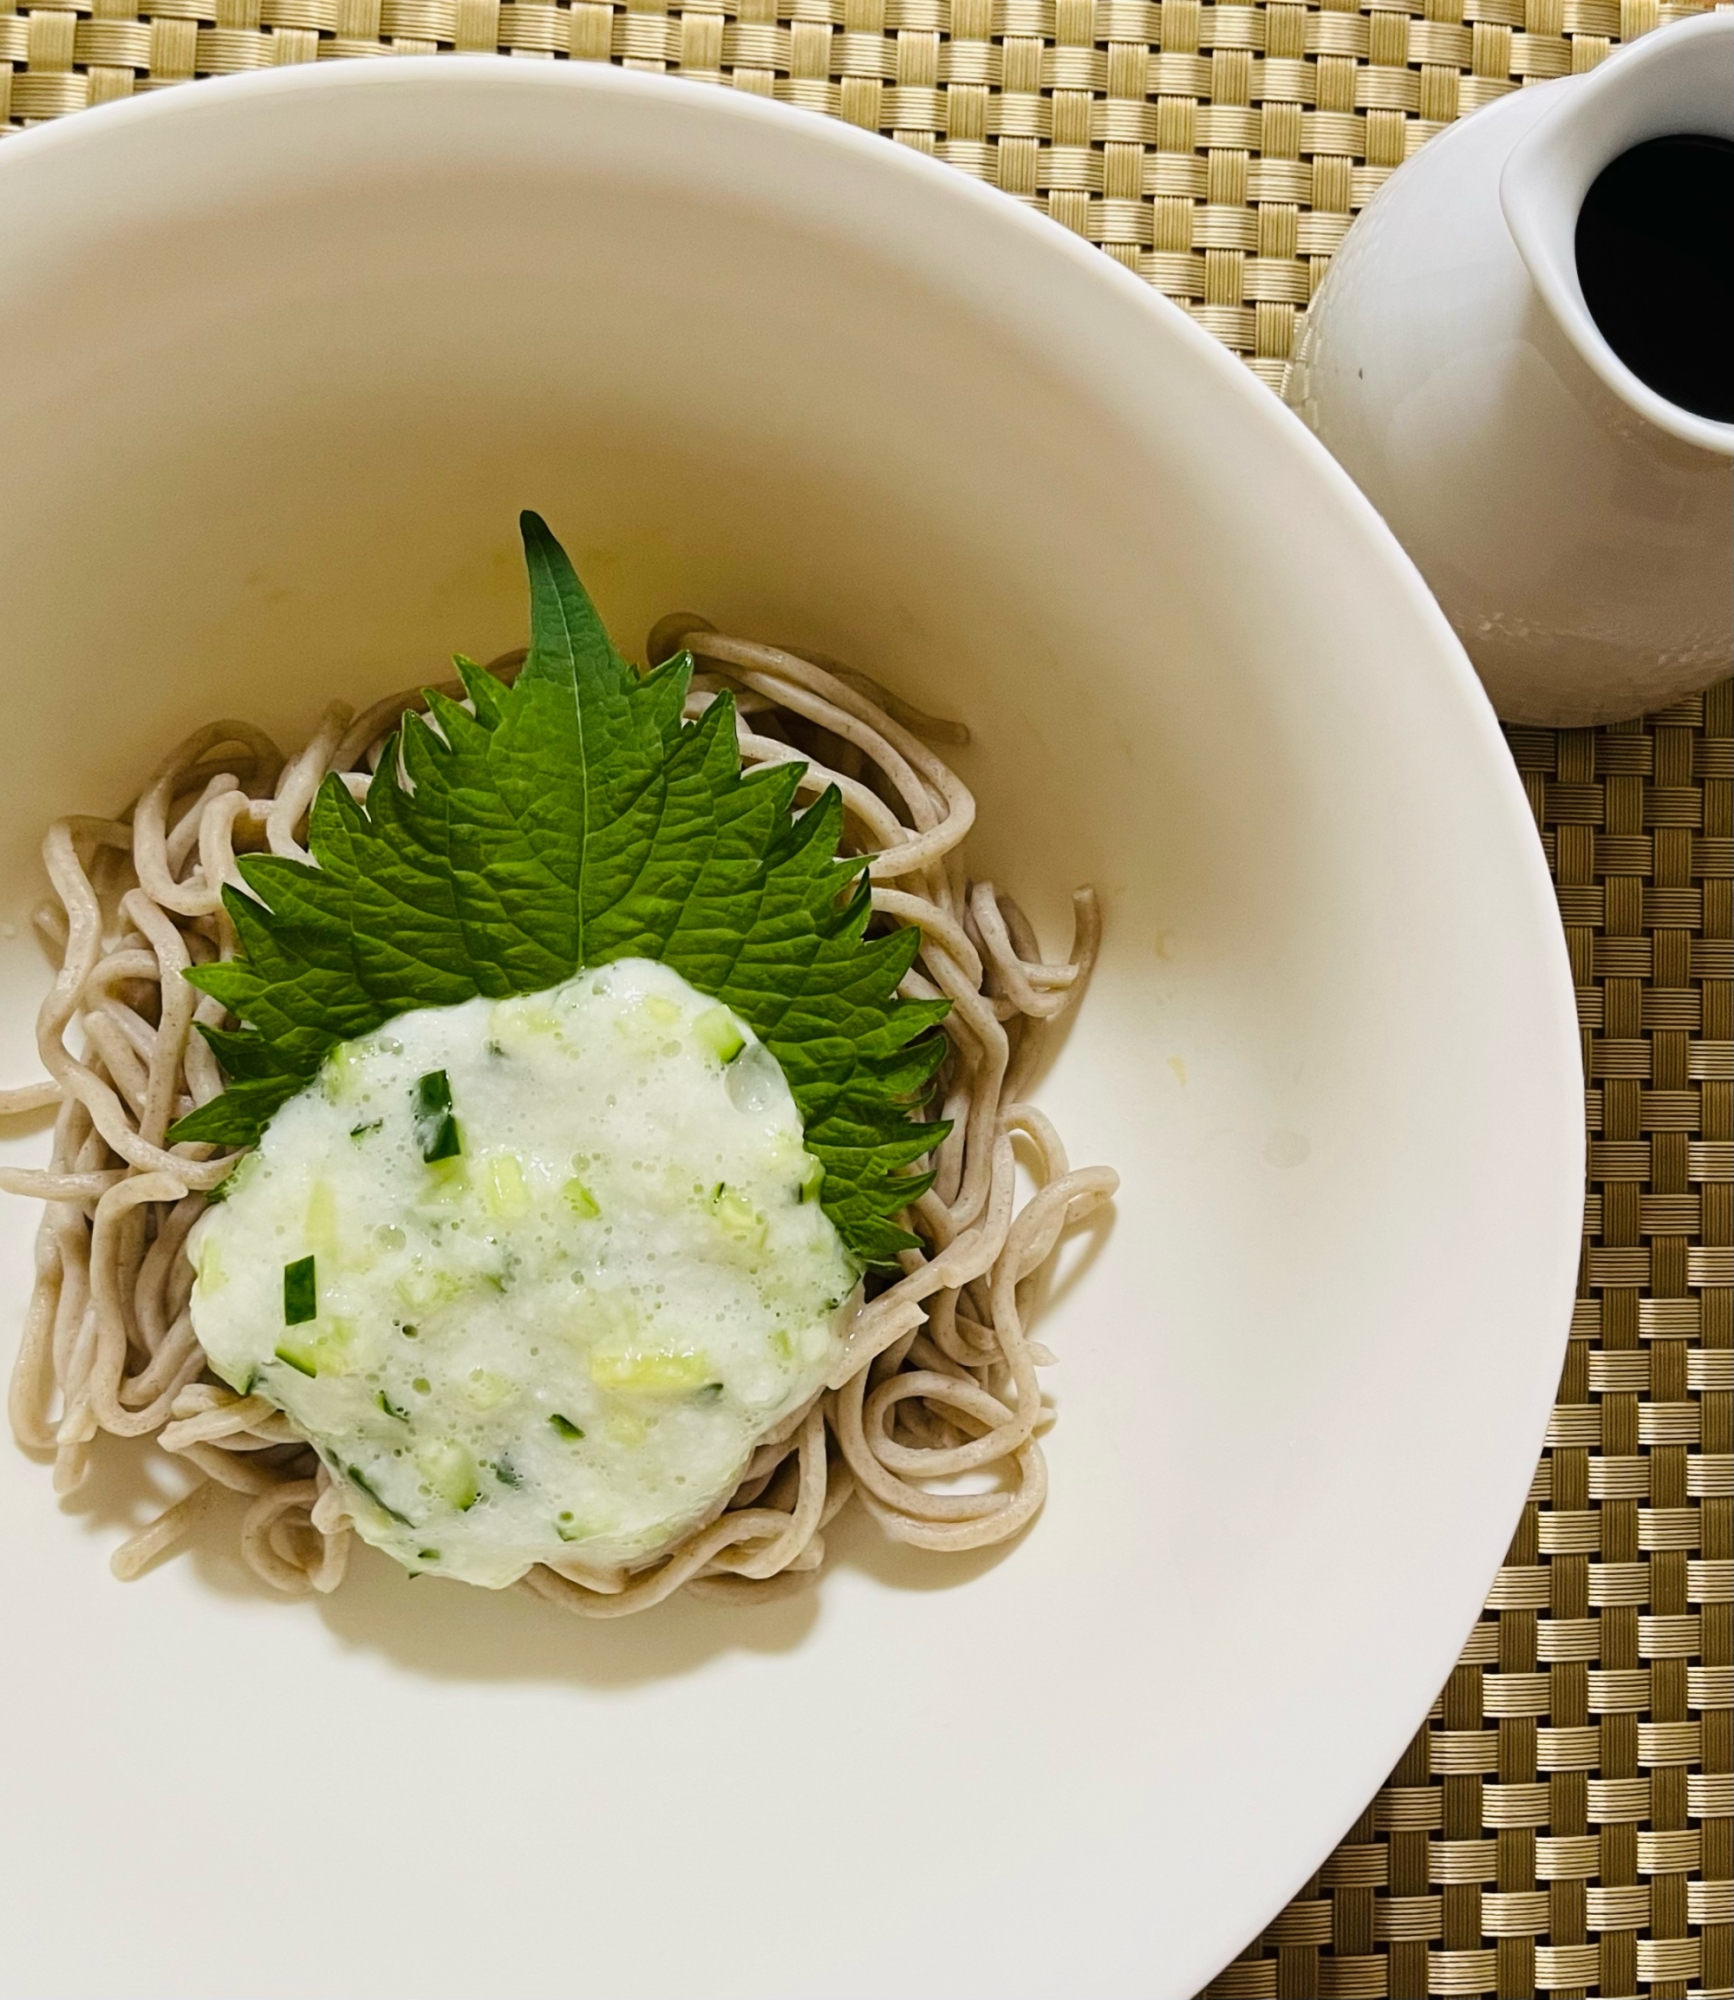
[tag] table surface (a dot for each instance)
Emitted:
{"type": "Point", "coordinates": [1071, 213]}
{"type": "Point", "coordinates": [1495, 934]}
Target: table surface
{"type": "Point", "coordinates": [1564, 1821]}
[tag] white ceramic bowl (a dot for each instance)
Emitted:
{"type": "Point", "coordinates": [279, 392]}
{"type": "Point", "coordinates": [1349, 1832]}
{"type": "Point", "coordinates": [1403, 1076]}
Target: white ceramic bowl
{"type": "Point", "coordinates": [280, 359]}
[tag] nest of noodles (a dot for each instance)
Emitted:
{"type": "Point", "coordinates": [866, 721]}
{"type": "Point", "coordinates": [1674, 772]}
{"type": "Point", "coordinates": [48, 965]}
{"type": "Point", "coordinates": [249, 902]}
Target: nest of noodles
{"type": "Point", "coordinates": [939, 1378]}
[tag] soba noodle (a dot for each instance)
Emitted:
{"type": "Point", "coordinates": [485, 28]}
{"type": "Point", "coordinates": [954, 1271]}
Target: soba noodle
{"type": "Point", "coordinates": [939, 1377]}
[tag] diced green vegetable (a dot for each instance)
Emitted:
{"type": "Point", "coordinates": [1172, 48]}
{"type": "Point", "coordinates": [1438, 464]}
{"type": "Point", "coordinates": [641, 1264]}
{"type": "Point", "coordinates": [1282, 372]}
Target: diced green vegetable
{"type": "Point", "coordinates": [342, 1075]}
{"type": "Point", "coordinates": [520, 1023]}
{"type": "Point", "coordinates": [649, 1371]}
{"type": "Point", "coordinates": [391, 1409]}
{"type": "Point", "coordinates": [503, 1190]}
{"type": "Point", "coordinates": [211, 1272]}
{"type": "Point", "coordinates": [322, 1351]}
{"type": "Point", "coordinates": [451, 1472]}
{"type": "Point", "coordinates": [424, 1288]}
{"type": "Point", "coordinates": [300, 1292]}
{"type": "Point", "coordinates": [359, 1478]}
{"type": "Point", "coordinates": [738, 1217]}
{"type": "Point", "coordinates": [812, 1180]}
{"type": "Point", "coordinates": [435, 1127]}
{"type": "Point", "coordinates": [580, 1200]}
{"type": "Point", "coordinates": [320, 1223]}
{"type": "Point", "coordinates": [447, 1182]}
{"type": "Point", "coordinates": [484, 1389]}
{"type": "Point", "coordinates": [716, 1031]}
{"type": "Point", "coordinates": [565, 1426]}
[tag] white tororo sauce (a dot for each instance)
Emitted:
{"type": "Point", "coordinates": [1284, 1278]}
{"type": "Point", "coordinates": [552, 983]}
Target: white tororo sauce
{"type": "Point", "coordinates": [564, 1343]}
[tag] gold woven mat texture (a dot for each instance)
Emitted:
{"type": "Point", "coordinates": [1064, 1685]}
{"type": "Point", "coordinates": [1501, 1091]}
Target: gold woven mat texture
{"type": "Point", "coordinates": [1561, 1825]}
{"type": "Point", "coordinates": [1564, 1822]}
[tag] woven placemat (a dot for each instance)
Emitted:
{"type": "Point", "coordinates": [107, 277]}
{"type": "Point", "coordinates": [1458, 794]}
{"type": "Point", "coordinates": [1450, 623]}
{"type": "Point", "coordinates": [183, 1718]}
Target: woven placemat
{"type": "Point", "coordinates": [1564, 1823]}
{"type": "Point", "coordinates": [1219, 151]}
{"type": "Point", "coordinates": [1561, 1825]}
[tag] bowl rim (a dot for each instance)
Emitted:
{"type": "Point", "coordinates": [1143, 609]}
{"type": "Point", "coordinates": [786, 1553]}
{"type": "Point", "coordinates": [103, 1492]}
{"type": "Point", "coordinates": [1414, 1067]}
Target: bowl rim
{"type": "Point", "coordinates": [976, 204]}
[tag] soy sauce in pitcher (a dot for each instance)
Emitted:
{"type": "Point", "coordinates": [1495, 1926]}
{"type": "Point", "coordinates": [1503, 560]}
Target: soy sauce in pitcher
{"type": "Point", "coordinates": [1655, 257]}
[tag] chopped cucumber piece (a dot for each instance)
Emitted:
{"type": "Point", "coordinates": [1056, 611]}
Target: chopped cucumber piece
{"type": "Point", "coordinates": [341, 1077]}
{"type": "Point", "coordinates": [565, 1426]}
{"type": "Point", "coordinates": [717, 1031]}
{"type": "Point", "coordinates": [391, 1409]}
{"type": "Point", "coordinates": [650, 1371]}
{"type": "Point", "coordinates": [503, 1189]}
{"type": "Point", "coordinates": [324, 1352]}
{"type": "Point", "coordinates": [446, 1182]}
{"type": "Point", "coordinates": [580, 1200]}
{"type": "Point", "coordinates": [451, 1472]}
{"type": "Point", "coordinates": [433, 1094]}
{"type": "Point", "coordinates": [359, 1478]}
{"type": "Point", "coordinates": [484, 1389]}
{"type": "Point", "coordinates": [211, 1272]}
{"type": "Point", "coordinates": [435, 1128]}
{"type": "Point", "coordinates": [300, 1292]}
{"type": "Point", "coordinates": [321, 1222]}
{"type": "Point", "coordinates": [740, 1221]}
{"type": "Point", "coordinates": [425, 1290]}
{"type": "Point", "coordinates": [518, 1024]}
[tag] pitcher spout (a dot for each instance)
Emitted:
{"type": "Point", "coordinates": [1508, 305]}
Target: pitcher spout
{"type": "Point", "coordinates": [1679, 82]}
{"type": "Point", "coordinates": [1575, 522]}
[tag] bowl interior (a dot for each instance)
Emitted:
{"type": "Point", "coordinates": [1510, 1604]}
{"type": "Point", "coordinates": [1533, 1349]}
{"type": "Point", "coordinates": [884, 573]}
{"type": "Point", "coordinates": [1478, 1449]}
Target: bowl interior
{"type": "Point", "coordinates": [279, 363]}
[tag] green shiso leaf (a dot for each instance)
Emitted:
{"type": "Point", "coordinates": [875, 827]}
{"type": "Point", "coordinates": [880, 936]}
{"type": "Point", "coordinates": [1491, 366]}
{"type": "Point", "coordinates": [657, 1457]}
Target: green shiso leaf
{"type": "Point", "coordinates": [570, 820]}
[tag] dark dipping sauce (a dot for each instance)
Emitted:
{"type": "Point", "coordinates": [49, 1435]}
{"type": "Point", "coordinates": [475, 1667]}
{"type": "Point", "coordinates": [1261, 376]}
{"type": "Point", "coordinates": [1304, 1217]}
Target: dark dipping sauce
{"type": "Point", "coordinates": [1655, 257]}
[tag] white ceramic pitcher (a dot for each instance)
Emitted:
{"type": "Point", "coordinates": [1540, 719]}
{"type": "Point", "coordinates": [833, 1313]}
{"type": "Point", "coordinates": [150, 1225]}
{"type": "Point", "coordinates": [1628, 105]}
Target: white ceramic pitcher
{"type": "Point", "coordinates": [1574, 524]}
